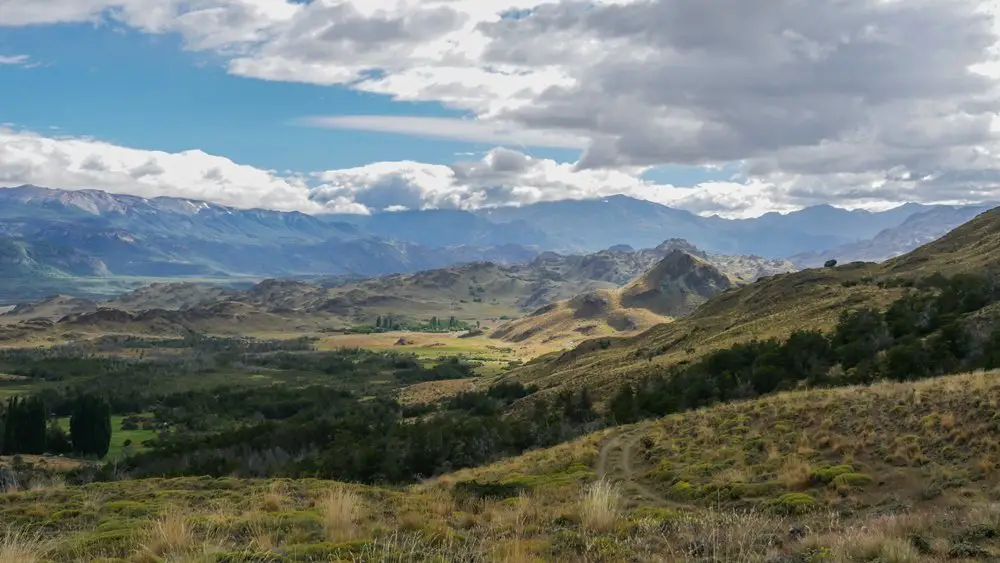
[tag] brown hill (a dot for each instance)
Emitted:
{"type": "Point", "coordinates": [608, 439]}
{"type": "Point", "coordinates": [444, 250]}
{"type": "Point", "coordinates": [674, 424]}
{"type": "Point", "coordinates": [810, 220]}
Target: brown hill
{"type": "Point", "coordinates": [470, 292]}
{"type": "Point", "coordinates": [53, 307]}
{"type": "Point", "coordinates": [677, 285]}
{"type": "Point", "coordinates": [674, 287]}
{"type": "Point", "coordinates": [773, 306]}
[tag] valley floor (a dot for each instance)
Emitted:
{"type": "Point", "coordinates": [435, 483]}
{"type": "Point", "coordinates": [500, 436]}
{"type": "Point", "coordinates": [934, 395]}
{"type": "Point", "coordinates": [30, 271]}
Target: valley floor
{"type": "Point", "coordinates": [893, 472]}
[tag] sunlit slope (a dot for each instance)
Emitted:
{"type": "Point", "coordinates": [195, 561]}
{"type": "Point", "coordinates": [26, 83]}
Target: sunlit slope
{"type": "Point", "coordinates": [771, 307]}
{"type": "Point", "coordinates": [673, 287]}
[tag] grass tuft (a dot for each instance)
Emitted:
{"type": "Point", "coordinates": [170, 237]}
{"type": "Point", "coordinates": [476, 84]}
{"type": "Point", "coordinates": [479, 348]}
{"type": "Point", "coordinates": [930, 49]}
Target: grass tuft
{"type": "Point", "coordinates": [169, 536]}
{"type": "Point", "coordinates": [599, 507]}
{"type": "Point", "coordinates": [18, 546]}
{"type": "Point", "coordinates": [341, 510]}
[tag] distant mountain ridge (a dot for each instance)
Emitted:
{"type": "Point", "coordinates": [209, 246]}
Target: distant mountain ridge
{"type": "Point", "coordinates": [917, 230]}
{"type": "Point", "coordinates": [169, 238]}
{"type": "Point", "coordinates": [470, 291]}
{"type": "Point", "coordinates": [121, 237]}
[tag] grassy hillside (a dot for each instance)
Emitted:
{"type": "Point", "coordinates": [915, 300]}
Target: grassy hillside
{"type": "Point", "coordinates": [673, 286]}
{"type": "Point", "coordinates": [589, 315]}
{"type": "Point", "coordinates": [892, 472]}
{"type": "Point", "coordinates": [676, 285]}
{"type": "Point", "coordinates": [774, 306]}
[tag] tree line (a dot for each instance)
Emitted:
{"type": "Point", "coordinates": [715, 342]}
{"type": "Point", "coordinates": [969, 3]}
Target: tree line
{"type": "Point", "coordinates": [922, 334]}
{"type": "Point", "coordinates": [27, 428]}
{"type": "Point", "coordinates": [326, 433]}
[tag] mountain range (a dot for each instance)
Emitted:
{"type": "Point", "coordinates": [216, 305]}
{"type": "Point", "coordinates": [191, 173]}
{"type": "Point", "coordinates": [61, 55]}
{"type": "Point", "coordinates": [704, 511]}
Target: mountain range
{"type": "Point", "coordinates": [473, 291]}
{"type": "Point", "coordinates": [90, 243]}
{"type": "Point", "coordinates": [580, 226]}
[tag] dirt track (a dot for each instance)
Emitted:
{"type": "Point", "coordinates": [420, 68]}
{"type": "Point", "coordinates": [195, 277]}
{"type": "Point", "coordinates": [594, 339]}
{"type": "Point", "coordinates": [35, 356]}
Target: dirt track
{"type": "Point", "coordinates": [615, 463]}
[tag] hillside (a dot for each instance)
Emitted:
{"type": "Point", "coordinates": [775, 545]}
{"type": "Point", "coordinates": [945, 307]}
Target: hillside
{"type": "Point", "coordinates": [673, 287]}
{"type": "Point", "coordinates": [916, 230]}
{"type": "Point", "coordinates": [119, 236]}
{"type": "Point", "coordinates": [773, 306]}
{"type": "Point", "coordinates": [676, 285]}
{"type": "Point", "coordinates": [906, 468]}
{"type": "Point", "coordinates": [900, 472]}
{"type": "Point", "coordinates": [588, 315]}
{"type": "Point", "coordinates": [478, 291]}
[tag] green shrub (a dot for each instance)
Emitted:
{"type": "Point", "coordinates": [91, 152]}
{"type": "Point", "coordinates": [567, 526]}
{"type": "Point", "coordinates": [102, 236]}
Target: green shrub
{"type": "Point", "coordinates": [848, 481]}
{"type": "Point", "coordinates": [115, 543]}
{"type": "Point", "coordinates": [682, 490]}
{"type": "Point", "coordinates": [661, 515]}
{"type": "Point", "coordinates": [128, 509]}
{"type": "Point", "coordinates": [826, 475]}
{"type": "Point", "coordinates": [325, 551]}
{"type": "Point", "coordinates": [793, 503]}
{"type": "Point", "coordinates": [753, 490]}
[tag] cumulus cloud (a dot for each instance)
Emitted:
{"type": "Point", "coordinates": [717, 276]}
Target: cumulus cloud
{"type": "Point", "coordinates": [500, 177]}
{"type": "Point", "coordinates": [78, 163]}
{"type": "Point", "coordinates": [854, 102]}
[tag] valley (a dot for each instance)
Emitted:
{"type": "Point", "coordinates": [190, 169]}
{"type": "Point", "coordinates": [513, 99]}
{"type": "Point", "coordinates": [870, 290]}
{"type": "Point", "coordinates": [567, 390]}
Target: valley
{"type": "Point", "coordinates": [455, 281]}
{"type": "Point", "coordinates": [96, 245]}
{"type": "Point", "coordinates": [663, 404]}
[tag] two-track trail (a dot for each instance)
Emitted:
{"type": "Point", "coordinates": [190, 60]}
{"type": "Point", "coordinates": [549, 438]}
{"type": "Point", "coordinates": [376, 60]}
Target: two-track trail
{"type": "Point", "coordinates": [615, 464]}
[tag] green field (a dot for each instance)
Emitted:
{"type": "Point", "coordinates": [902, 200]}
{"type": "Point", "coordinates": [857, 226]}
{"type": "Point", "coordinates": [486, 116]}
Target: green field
{"type": "Point", "coordinates": [119, 436]}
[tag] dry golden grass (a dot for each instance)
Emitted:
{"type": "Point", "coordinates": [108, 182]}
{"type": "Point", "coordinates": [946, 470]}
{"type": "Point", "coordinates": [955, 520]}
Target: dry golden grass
{"type": "Point", "coordinates": [432, 391]}
{"type": "Point", "coordinates": [274, 498]}
{"type": "Point", "coordinates": [45, 461]}
{"type": "Point", "coordinates": [17, 546]}
{"type": "Point", "coordinates": [567, 323]}
{"type": "Point", "coordinates": [341, 509]}
{"type": "Point", "coordinates": [600, 506]}
{"type": "Point", "coordinates": [169, 536]}
{"type": "Point", "coordinates": [794, 472]}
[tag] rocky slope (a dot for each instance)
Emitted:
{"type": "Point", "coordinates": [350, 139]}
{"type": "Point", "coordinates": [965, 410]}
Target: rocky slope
{"type": "Point", "coordinates": [673, 287]}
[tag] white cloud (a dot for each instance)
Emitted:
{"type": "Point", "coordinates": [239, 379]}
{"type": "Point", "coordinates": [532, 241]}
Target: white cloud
{"type": "Point", "coordinates": [78, 163]}
{"type": "Point", "coordinates": [472, 130]}
{"type": "Point", "coordinates": [15, 60]}
{"type": "Point", "coordinates": [855, 102]}
{"type": "Point", "coordinates": [497, 178]}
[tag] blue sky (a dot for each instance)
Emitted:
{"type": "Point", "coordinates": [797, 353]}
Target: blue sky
{"type": "Point", "coordinates": [146, 91]}
{"type": "Point", "coordinates": [292, 103]}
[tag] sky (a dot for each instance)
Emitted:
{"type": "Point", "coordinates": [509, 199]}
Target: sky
{"type": "Point", "coordinates": [730, 107]}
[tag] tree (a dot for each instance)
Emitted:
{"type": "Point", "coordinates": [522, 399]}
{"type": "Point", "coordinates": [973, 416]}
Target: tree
{"type": "Point", "coordinates": [24, 426]}
{"type": "Point", "coordinates": [56, 439]}
{"type": "Point", "coordinates": [10, 445]}
{"type": "Point", "coordinates": [90, 426]}
{"type": "Point", "coordinates": [830, 264]}
{"type": "Point", "coordinates": [622, 407]}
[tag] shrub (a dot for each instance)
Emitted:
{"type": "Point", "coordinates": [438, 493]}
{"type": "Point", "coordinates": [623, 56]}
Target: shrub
{"type": "Point", "coordinates": [682, 490]}
{"type": "Point", "coordinates": [793, 503]}
{"type": "Point", "coordinates": [828, 474]}
{"type": "Point", "coordinates": [848, 481]}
